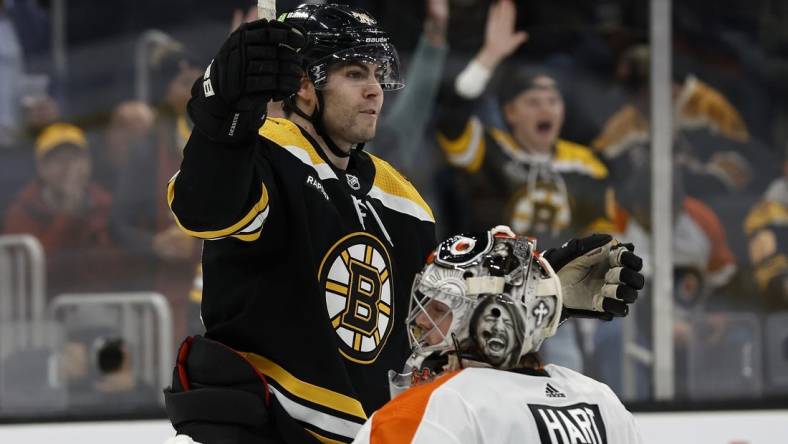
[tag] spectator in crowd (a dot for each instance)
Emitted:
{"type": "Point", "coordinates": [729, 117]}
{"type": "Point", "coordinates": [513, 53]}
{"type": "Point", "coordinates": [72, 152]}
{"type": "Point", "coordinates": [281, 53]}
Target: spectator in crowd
{"type": "Point", "coordinates": [766, 228]}
{"type": "Point", "coordinates": [68, 213]}
{"type": "Point", "coordinates": [130, 123]}
{"type": "Point", "coordinates": [39, 110]}
{"type": "Point", "coordinates": [715, 152]}
{"type": "Point", "coordinates": [525, 176]}
{"type": "Point", "coordinates": [716, 159]}
{"type": "Point", "coordinates": [164, 257]}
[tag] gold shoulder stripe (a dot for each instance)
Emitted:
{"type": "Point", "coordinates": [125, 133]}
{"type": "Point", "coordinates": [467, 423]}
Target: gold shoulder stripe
{"type": "Point", "coordinates": [467, 150]}
{"type": "Point", "coordinates": [256, 210]}
{"type": "Point", "coordinates": [507, 143]}
{"type": "Point", "coordinates": [304, 390]}
{"type": "Point", "coordinates": [700, 104]}
{"type": "Point", "coordinates": [765, 213]}
{"type": "Point", "coordinates": [581, 156]}
{"type": "Point", "coordinates": [247, 237]}
{"type": "Point", "coordinates": [504, 139]}
{"type": "Point", "coordinates": [391, 182]}
{"type": "Point", "coordinates": [461, 143]}
{"type": "Point", "coordinates": [286, 133]}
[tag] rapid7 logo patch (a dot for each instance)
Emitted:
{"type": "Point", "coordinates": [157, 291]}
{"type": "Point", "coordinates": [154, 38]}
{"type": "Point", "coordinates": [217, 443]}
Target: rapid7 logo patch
{"type": "Point", "coordinates": [573, 424]}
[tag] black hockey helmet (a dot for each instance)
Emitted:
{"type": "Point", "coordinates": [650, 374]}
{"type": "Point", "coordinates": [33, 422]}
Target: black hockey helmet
{"type": "Point", "coordinates": [335, 34]}
{"type": "Point", "coordinates": [339, 33]}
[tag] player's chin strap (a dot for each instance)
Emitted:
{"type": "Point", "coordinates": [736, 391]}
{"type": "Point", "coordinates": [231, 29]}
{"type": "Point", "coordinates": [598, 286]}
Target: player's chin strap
{"type": "Point", "coordinates": [316, 119]}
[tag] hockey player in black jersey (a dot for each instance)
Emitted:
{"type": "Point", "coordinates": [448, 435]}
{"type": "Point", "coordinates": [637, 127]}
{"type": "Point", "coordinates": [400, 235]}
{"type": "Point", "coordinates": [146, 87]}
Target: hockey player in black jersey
{"type": "Point", "coordinates": [311, 244]}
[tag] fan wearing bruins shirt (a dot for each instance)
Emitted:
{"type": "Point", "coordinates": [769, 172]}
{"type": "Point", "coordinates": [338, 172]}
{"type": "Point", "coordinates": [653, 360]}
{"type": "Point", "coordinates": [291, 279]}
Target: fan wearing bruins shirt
{"type": "Point", "coordinates": [527, 177]}
{"type": "Point", "coordinates": [311, 244]}
{"type": "Point", "coordinates": [765, 227]}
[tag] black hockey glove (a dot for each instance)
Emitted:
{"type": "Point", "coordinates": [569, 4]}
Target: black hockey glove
{"type": "Point", "coordinates": [599, 276]}
{"type": "Point", "coordinates": [258, 62]}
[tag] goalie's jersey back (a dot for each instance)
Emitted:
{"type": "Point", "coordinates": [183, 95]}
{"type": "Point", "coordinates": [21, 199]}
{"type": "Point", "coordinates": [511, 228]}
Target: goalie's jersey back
{"type": "Point", "coordinates": [307, 268]}
{"type": "Point", "coordinates": [483, 405]}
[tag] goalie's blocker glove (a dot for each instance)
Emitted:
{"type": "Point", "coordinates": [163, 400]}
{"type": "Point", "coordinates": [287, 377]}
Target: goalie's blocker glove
{"type": "Point", "coordinates": [600, 276]}
{"type": "Point", "coordinates": [258, 62]}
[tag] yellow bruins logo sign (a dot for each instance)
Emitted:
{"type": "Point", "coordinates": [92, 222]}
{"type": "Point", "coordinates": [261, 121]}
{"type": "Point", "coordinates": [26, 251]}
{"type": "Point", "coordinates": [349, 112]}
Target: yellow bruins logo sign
{"type": "Point", "coordinates": [356, 277]}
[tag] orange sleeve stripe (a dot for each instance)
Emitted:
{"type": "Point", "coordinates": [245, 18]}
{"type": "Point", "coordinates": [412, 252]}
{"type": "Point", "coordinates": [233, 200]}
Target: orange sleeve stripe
{"type": "Point", "coordinates": [398, 421]}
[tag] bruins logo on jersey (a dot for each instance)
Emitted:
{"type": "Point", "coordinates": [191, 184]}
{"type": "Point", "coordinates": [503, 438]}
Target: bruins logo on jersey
{"type": "Point", "coordinates": [542, 210]}
{"type": "Point", "coordinates": [356, 276]}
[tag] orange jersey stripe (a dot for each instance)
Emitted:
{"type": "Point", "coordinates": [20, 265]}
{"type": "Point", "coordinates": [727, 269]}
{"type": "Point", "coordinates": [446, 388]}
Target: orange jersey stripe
{"type": "Point", "coordinates": [397, 421]}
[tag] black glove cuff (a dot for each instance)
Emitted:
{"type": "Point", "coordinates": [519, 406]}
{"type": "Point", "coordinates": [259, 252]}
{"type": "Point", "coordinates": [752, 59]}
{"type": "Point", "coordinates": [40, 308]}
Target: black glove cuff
{"type": "Point", "coordinates": [568, 313]}
{"type": "Point", "coordinates": [230, 129]}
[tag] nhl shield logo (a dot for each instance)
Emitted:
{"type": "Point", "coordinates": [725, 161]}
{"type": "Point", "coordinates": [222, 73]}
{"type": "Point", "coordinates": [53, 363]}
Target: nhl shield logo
{"type": "Point", "coordinates": [356, 277]}
{"type": "Point", "coordinates": [352, 182]}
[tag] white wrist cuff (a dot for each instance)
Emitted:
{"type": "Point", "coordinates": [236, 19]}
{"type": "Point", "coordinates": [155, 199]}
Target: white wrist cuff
{"type": "Point", "coordinates": [472, 80]}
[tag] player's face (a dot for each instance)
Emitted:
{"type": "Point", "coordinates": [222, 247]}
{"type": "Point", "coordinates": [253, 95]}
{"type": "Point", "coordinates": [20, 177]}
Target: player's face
{"type": "Point", "coordinates": [536, 115]}
{"type": "Point", "coordinates": [353, 99]}
{"type": "Point", "coordinates": [435, 320]}
{"type": "Point", "coordinates": [495, 333]}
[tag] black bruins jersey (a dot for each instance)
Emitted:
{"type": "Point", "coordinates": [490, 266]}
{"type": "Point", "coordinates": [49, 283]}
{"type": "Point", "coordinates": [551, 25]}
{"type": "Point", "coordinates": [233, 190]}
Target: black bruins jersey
{"type": "Point", "coordinates": [549, 197]}
{"type": "Point", "coordinates": [307, 268]}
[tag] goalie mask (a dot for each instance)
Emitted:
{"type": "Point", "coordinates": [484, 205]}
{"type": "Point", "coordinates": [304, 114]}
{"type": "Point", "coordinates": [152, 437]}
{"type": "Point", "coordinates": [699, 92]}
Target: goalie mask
{"type": "Point", "coordinates": [483, 297]}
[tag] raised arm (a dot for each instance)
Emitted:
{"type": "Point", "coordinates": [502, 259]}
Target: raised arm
{"type": "Point", "coordinates": [223, 187]}
{"type": "Point", "coordinates": [460, 134]}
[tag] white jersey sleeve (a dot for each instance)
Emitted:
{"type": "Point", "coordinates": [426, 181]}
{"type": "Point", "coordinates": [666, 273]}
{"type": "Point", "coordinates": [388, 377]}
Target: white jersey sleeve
{"type": "Point", "coordinates": [627, 430]}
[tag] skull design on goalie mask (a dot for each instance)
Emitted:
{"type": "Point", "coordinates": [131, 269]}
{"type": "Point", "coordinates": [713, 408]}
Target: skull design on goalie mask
{"type": "Point", "coordinates": [486, 297]}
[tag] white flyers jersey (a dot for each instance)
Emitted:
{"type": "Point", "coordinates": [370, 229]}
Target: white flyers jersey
{"type": "Point", "coordinates": [479, 405]}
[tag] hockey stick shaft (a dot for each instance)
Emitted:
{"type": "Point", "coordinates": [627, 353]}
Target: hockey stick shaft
{"type": "Point", "coordinates": [266, 9]}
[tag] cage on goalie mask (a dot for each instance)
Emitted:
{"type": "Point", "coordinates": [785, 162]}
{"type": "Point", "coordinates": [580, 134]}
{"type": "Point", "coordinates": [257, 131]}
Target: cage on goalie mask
{"type": "Point", "coordinates": [486, 297]}
{"type": "Point", "coordinates": [340, 33]}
